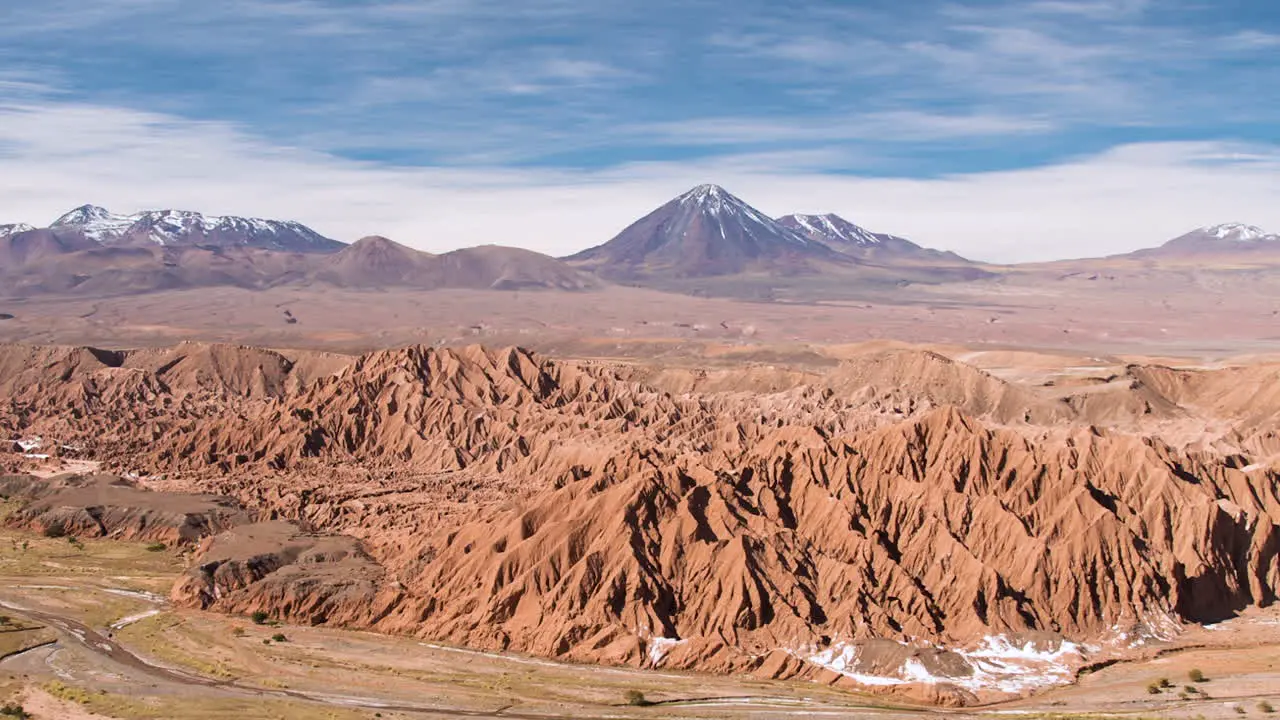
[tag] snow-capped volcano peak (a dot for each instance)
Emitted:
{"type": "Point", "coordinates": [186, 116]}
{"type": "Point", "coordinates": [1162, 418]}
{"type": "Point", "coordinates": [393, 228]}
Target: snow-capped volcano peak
{"type": "Point", "coordinates": [726, 210]}
{"type": "Point", "coordinates": [1239, 232]}
{"type": "Point", "coordinates": [97, 223]}
{"type": "Point", "coordinates": [708, 193]}
{"type": "Point", "coordinates": [84, 215]}
{"type": "Point", "coordinates": [704, 232]}
{"type": "Point", "coordinates": [832, 228]}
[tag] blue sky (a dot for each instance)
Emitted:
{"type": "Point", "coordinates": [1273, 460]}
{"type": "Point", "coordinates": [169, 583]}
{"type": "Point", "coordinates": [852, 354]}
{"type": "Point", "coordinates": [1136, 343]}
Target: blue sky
{"type": "Point", "coordinates": [876, 106]}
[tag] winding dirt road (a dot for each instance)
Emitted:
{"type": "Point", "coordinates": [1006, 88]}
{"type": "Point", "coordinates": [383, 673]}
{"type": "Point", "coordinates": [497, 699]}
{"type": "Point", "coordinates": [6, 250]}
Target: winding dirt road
{"type": "Point", "coordinates": [104, 646]}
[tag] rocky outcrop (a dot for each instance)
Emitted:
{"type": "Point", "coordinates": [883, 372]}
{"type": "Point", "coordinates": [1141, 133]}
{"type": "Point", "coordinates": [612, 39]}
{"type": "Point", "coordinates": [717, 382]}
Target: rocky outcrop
{"type": "Point", "coordinates": [105, 506]}
{"type": "Point", "coordinates": [289, 574]}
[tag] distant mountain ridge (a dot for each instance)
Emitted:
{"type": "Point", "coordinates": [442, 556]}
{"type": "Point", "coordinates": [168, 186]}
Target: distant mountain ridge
{"type": "Point", "coordinates": [845, 237]}
{"type": "Point", "coordinates": [375, 262]}
{"type": "Point", "coordinates": [179, 227]}
{"type": "Point", "coordinates": [705, 241]}
{"type": "Point", "coordinates": [92, 251]}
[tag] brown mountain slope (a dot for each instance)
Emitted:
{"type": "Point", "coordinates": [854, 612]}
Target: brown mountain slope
{"type": "Point", "coordinates": [30, 246]}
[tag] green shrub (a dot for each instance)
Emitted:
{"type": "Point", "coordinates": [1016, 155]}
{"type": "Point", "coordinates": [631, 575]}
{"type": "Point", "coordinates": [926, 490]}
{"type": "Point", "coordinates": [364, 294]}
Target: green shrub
{"type": "Point", "coordinates": [14, 711]}
{"type": "Point", "coordinates": [1196, 676]}
{"type": "Point", "coordinates": [1265, 707]}
{"type": "Point", "coordinates": [1153, 688]}
{"type": "Point", "coordinates": [636, 698]}
{"type": "Point", "coordinates": [279, 637]}
{"type": "Point", "coordinates": [157, 547]}
{"type": "Point", "coordinates": [259, 617]}
{"type": "Point", "coordinates": [1165, 684]}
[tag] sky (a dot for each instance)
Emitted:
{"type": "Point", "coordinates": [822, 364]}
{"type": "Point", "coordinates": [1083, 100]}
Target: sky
{"type": "Point", "coordinates": [1006, 130]}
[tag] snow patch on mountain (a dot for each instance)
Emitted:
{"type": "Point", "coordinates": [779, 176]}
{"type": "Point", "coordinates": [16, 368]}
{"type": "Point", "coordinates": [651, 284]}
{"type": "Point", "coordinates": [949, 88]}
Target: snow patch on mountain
{"type": "Point", "coordinates": [170, 227]}
{"type": "Point", "coordinates": [1239, 232]}
{"type": "Point", "coordinates": [97, 223]}
{"type": "Point", "coordinates": [15, 228]}
{"type": "Point", "coordinates": [834, 228]}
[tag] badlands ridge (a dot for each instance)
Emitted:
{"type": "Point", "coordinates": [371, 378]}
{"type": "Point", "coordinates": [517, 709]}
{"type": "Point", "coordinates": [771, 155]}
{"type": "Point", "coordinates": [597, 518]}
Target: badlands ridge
{"type": "Point", "coordinates": [900, 520]}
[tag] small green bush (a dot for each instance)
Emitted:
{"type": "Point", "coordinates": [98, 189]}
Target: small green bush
{"type": "Point", "coordinates": [1266, 707]}
{"type": "Point", "coordinates": [1196, 676]}
{"type": "Point", "coordinates": [157, 547]}
{"type": "Point", "coordinates": [279, 637]}
{"type": "Point", "coordinates": [259, 617]}
{"type": "Point", "coordinates": [636, 698]}
{"type": "Point", "coordinates": [1153, 688]}
{"type": "Point", "coordinates": [14, 711]}
{"type": "Point", "coordinates": [1165, 684]}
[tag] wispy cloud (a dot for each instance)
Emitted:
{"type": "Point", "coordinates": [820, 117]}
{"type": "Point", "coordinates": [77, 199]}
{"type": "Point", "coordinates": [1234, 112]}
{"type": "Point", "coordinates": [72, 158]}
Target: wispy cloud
{"type": "Point", "coordinates": [883, 127]}
{"type": "Point", "coordinates": [1253, 40]}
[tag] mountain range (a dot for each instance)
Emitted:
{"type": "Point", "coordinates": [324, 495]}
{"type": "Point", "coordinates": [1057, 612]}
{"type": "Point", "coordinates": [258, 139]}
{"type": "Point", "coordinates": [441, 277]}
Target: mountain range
{"type": "Point", "coordinates": [177, 228]}
{"type": "Point", "coordinates": [705, 240]}
{"type": "Point", "coordinates": [92, 251]}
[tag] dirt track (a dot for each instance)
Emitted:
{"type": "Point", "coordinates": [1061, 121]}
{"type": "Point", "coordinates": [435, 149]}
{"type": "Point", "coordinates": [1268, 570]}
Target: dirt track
{"type": "Point", "coordinates": [107, 647]}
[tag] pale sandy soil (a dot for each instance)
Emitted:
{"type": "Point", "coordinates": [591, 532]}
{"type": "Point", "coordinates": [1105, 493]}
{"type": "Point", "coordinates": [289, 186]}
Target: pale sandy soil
{"type": "Point", "coordinates": [1132, 316]}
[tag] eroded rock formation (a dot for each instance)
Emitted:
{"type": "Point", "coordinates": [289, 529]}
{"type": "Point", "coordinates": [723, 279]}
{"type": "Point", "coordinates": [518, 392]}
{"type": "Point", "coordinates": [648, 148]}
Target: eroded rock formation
{"type": "Point", "coordinates": [900, 516]}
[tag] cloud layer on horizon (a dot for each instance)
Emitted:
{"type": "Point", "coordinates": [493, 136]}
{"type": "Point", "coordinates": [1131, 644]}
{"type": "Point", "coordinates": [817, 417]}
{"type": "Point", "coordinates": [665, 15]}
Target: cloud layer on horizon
{"type": "Point", "coordinates": [54, 156]}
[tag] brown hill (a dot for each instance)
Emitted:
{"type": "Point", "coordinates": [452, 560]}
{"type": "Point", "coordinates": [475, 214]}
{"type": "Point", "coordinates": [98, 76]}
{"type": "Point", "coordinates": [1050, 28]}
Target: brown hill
{"type": "Point", "coordinates": [508, 268]}
{"type": "Point", "coordinates": [376, 262]}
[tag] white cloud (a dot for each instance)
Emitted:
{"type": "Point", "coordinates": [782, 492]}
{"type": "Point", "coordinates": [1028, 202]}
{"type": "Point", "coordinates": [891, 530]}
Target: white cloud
{"type": "Point", "coordinates": [54, 156]}
{"type": "Point", "coordinates": [1253, 40]}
